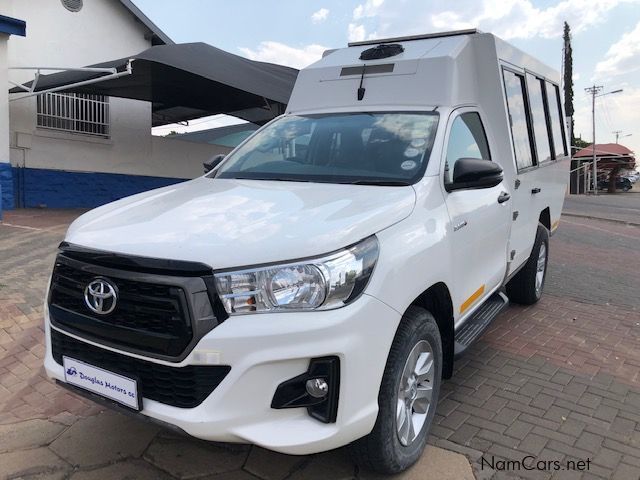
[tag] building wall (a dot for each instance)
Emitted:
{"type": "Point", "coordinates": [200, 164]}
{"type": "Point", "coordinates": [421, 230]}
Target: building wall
{"type": "Point", "coordinates": [6, 185]}
{"type": "Point", "coordinates": [103, 30]}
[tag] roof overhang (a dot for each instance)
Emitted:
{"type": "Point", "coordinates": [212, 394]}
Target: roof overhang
{"type": "Point", "coordinates": [183, 82]}
{"type": "Point", "coordinates": [13, 26]}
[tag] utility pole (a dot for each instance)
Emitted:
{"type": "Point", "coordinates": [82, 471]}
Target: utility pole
{"type": "Point", "coordinates": [594, 91]}
{"type": "Point", "coordinates": [617, 134]}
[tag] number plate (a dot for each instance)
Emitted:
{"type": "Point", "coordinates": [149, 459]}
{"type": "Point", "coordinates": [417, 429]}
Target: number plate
{"type": "Point", "coordinates": [107, 384]}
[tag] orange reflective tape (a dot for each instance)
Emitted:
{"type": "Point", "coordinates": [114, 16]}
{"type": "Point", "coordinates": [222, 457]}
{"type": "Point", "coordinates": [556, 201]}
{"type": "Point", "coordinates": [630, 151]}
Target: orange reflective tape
{"type": "Point", "coordinates": [469, 301]}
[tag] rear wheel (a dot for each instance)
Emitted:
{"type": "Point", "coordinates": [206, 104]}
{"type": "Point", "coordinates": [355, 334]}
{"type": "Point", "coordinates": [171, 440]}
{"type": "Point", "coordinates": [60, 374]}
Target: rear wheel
{"type": "Point", "coordinates": [527, 285]}
{"type": "Point", "coordinates": [408, 397]}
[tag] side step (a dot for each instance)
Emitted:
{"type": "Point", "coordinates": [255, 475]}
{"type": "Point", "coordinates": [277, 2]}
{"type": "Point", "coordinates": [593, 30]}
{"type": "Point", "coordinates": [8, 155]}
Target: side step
{"type": "Point", "coordinates": [477, 323]}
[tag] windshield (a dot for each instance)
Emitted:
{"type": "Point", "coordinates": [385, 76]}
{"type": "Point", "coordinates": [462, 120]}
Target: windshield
{"type": "Point", "coordinates": [360, 148]}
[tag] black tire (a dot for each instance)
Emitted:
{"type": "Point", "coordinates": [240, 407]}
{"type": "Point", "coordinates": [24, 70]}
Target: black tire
{"type": "Point", "coordinates": [381, 450]}
{"type": "Point", "coordinates": [522, 287]}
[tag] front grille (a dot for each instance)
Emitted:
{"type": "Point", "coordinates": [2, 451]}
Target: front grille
{"type": "Point", "coordinates": [151, 317]}
{"type": "Point", "coordinates": [184, 387]}
{"type": "Point", "coordinates": [143, 306]}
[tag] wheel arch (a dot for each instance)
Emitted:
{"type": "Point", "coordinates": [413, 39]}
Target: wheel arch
{"type": "Point", "coordinates": [545, 218]}
{"type": "Point", "coordinates": [437, 300]}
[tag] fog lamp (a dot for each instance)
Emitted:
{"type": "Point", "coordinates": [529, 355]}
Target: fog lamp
{"type": "Point", "coordinates": [317, 387]}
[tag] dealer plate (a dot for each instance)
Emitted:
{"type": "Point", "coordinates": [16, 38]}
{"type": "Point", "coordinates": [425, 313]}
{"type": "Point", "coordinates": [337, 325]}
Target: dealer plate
{"type": "Point", "coordinates": [121, 389]}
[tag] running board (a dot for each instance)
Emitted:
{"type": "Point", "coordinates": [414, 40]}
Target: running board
{"type": "Point", "coordinates": [477, 323]}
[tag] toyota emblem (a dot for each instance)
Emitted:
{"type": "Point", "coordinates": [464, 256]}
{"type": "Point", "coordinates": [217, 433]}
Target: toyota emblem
{"type": "Point", "coordinates": [101, 296]}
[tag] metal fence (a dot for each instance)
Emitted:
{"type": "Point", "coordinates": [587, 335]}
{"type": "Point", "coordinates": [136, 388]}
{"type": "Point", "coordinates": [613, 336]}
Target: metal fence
{"type": "Point", "coordinates": [74, 112]}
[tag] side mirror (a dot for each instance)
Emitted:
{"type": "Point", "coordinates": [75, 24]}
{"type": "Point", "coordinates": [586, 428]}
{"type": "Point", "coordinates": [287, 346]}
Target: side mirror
{"type": "Point", "coordinates": [213, 162]}
{"type": "Point", "coordinates": [475, 173]}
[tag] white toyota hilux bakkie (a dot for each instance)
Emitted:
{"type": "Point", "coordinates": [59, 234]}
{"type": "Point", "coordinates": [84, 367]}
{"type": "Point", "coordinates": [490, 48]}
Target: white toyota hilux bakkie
{"type": "Point", "coordinates": [314, 287]}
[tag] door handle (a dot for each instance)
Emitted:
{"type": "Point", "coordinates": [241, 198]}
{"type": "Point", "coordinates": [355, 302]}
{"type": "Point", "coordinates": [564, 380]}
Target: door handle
{"type": "Point", "coordinates": [535, 190]}
{"type": "Point", "coordinates": [504, 196]}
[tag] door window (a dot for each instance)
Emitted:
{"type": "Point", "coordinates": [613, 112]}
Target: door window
{"type": "Point", "coordinates": [467, 139]}
{"type": "Point", "coordinates": [519, 118]}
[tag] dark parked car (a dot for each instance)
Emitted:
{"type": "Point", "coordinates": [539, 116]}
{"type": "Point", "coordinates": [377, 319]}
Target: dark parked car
{"type": "Point", "coordinates": [621, 184]}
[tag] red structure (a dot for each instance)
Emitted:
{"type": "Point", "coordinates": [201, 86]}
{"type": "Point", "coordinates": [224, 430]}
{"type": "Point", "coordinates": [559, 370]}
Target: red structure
{"type": "Point", "coordinates": [610, 157]}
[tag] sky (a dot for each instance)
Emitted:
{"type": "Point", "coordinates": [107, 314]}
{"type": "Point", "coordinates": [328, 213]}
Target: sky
{"type": "Point", "coordinates": [605, 39]}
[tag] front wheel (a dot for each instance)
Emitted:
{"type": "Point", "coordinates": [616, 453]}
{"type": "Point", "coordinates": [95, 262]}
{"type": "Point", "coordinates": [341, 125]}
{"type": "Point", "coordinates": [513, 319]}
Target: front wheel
{"type": "Point", "coordinates": [407, 399]}
{"type": "Point", "coordinates": [527, 285]}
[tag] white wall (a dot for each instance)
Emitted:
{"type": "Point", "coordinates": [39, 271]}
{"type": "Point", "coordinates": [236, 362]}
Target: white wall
{"type": "Point", "coordinates": [4, 102]}
{"type": "Point", "coordinates": [103, 30]}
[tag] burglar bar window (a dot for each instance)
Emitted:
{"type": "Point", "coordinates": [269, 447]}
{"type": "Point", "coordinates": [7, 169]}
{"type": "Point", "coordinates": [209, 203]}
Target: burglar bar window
{"type": "Point", "coordinates": [74, 112]}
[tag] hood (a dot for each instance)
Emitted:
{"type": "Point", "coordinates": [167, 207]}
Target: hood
{"type": "Point", "coordinates": [228, 223]}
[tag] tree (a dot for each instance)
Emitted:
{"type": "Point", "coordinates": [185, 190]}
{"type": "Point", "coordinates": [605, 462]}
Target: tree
{"type": "Point", "coordinates": [580, 143]}
{"type": "Point", "coordinates": [568, 77]}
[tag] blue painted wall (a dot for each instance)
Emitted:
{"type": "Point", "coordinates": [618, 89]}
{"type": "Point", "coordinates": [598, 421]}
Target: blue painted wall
{"type": "Point", "coordinates": [35, 187]}
{"type": "Point", "coordinates": [6, 187]}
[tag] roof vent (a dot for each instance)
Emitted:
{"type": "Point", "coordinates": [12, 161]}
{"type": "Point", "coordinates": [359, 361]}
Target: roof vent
{"type": "Point", "coordinates": [72, 5]}
{"type": "Point", "coordinates": [384, 50]}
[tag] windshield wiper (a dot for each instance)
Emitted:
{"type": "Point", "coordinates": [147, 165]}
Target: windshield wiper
{"type": "Point", "coordinates": [271, 179]}
{"type": "Point", "coordinates": [384, 183]}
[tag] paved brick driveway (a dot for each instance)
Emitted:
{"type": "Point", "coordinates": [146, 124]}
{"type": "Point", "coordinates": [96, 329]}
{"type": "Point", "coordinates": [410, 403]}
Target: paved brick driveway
{"type": "Point", "coordinates": [559, 381]}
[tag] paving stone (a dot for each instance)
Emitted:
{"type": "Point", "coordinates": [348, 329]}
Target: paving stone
{"type": "Point", "coordinates": [575, 389]}
{"type": "Point", "coordinates": [436, 463]}
{"type": "Point", "coordinates": [623, 426]}
{"type": "Point", "coordinates": [607, 458]}
{"type": "Point", "coordinates": [589, 441]}
{"type": "Point", "coordinates": [571, 427]}
{"type": "Point", "coordinates": [486, 424]}
{"type": "Point", "coordinates": [447, 406]}
{"type": "Point", "coordinates": [335, 464]}
{"type": "Point", "coordinates": [518, 429]}
{"type": "Point", "coordinates": [454, 420]}
{"type": "Point", "coordinates": [464, 434]}
{"type": "Point", "coordinates": [190, 458]}
{"type": "Point", "coordinates": [270, 465]}
{"type": "Point", "coordinates": [506, 416]}
{"type": "Point", "coordinates": [551, 434]}
{"type": "Point", "coordinates": [626, 472]}
{"type": "Point", "coordinates": [498, 439]}
{"type": "Point", "coordinates": [32, 433]}
{"type": "Point", "coordinates": [533, 444]}
{"type": "Point", "coordinates": [556, 414]}
{"type": "Point", "coordinates": [542, 400]}
{"type": "Point", "coordinates": [126, 470]}
{"type": "Point", "coordinates": [567, 449]}
{"type": "Point", "coordinates": [590, 400]}
{"type": "Point", "coordinates": [605, 413]}
{"type": "Point", "coordinates": [103, 439]}
{"type": "Point", "coordinates": [31, 463]}
{"type": "Point", "coordinates": [561, 378]}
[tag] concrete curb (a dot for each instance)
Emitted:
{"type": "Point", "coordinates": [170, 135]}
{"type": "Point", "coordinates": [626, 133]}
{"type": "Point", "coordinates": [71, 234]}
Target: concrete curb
{"type": "Point", "coordinates": [592, 217]}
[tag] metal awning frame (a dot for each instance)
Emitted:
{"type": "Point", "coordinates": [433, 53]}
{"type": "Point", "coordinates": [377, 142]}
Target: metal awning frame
{"type": "Point", "coordinates": [111, 74]}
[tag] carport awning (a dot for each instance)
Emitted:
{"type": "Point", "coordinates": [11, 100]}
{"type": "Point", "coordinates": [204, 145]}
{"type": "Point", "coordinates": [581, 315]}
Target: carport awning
{"type": "Point", "coordinates": [187, 81]}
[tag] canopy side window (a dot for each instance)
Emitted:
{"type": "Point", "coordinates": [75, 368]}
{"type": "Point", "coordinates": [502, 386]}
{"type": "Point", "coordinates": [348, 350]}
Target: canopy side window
{"type": "Point", "coordinates": [519, 118]}
{"type": "Point", "coordinates": [557, 122]}
{"type": "Point", "coordinates": [540, 117]}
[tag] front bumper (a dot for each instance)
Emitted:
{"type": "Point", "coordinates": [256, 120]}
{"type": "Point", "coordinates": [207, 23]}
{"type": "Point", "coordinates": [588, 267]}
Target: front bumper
{"type": "Point", "coordinates": [265, 350]}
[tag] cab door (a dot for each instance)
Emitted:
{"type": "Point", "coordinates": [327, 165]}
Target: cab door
{"type": "Point", "coordinates": [480, 218]}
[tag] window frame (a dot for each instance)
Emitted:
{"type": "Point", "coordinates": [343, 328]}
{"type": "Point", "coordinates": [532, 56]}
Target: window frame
{"type": "Point", "coordinates": [540, 80]}
{"type": "Point", "coordinates": [527, 108]}
{"type": "Point", "coordinates": [68, 113]}
{"type": "Point", "coordinates": [556, 91]}
{"type": "Point", "coordinates": [453, 116]}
